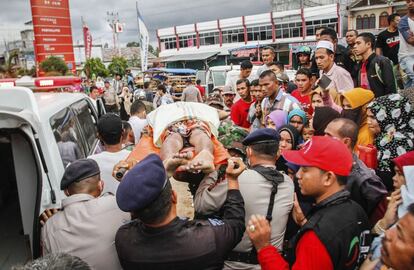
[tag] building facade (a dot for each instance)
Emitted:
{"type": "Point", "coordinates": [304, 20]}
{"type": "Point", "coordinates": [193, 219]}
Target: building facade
{"type": "Point", "coordinates": [212, 41]}
{"type": "Point", "coordinates": [23, 48]}
{"type": "Point", "coordinates": [371, 15]}
{"type": "Point", "coordinates": [283, 5]}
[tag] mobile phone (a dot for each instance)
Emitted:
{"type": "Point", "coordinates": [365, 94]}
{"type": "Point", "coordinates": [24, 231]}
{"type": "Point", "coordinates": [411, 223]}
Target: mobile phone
{"type": "Point", "coordinates": [324, 82]}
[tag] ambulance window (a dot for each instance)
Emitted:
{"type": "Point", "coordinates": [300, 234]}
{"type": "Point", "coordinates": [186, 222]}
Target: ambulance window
{"type": "Point", "coordinates": [87, 123]}
{"type": "Point", "coordinates": [68, 136]}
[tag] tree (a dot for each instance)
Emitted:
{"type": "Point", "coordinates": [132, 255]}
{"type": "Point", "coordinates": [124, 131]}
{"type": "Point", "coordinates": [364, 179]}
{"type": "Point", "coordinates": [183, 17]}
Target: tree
{"type": "Point", "coordinates": [8, 69]}
{"type": "Point", "coordinates": [94, 67]}
{"type": "Point", "coordinates": [118, 66]}
{"type": "Point", "coordinates": [132, 44]}
{"type": "Point", "coordinates": [155, 51]}
{"type": "Point", "coordinates": [55, 65]}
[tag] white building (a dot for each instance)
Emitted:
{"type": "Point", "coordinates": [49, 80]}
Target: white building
{"type": "Point", "coordinates": [211, 41]}
{"type": "Point", "coordinates": [283, 5]}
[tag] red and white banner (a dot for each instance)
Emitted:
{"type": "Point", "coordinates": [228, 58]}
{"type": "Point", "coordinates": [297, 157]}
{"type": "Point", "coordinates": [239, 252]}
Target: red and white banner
{"type": "Point", "coordinates": [52, 31]}
{"type": "Point", "coordinates": [87, 39]}
{"type": "Point", "coordinates": [119, 27]}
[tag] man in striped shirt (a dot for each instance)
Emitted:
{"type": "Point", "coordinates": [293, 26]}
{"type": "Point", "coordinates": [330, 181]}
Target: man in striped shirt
{"type": "Point", "coordinates": [275, 98]}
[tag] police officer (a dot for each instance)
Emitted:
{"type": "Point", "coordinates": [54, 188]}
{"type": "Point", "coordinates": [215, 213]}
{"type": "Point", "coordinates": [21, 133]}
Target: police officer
{"type": "Point", "coordinates": [264, 190]}
{"type": "Point", "coordinates": [329, 236]}
{"type": "Point", "coordinates": [158, 239]}
{"type": "Point", "coordinates": [87, 223]}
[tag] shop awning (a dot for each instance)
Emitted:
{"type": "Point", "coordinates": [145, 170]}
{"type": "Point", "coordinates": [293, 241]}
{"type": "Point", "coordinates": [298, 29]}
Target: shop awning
{"type": "Point", "coordinates": [191, 57]}
{"type": "Point", "coordinates": [172, 70]}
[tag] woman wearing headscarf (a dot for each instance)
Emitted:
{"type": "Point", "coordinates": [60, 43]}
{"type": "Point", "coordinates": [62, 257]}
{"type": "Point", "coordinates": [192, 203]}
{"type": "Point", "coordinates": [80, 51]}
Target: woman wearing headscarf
{"type": "Point", "coordinates": [276, 119]}
{"type": "Point", "coordinates": [354, 103]}
{"type": "Point", "coordinates": [391, 121]}
{"type": "Point", "coordinates": [289, 140]}
{"type": "Point", "coordinates": [298, 119]}
{"type": "Point", "coordinates": [320, 98]}
{"type": "Point", "coordinates": [321, 118]}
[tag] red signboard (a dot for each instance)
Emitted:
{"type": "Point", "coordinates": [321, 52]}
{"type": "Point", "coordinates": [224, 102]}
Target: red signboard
{"type": "Point", "coordinates": [54, 40]}
{"type": "Point", "coordinates": [51, 3]}
{"type": "Point", "coordinates": [52, 30]}
{"type": "Point", "coordinates": [52, 49]}
{"type": "Point", "coordinates": [50, 21]}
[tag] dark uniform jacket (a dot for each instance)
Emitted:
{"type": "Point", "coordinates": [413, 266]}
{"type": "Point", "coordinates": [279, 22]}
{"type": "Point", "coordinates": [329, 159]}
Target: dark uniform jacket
{"type": "Point", "coordinates": [183, 244]}
{"type": "Point", "coordinates": [339, 223]}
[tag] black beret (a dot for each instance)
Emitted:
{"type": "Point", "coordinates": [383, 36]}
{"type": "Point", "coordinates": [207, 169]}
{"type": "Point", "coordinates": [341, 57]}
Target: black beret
{"type": "Point", "coordinates": [79, 170]}
{"type": "Point", "coordinates": [263, 135]}
{"type": "Point", "coordinates": [142, 184]}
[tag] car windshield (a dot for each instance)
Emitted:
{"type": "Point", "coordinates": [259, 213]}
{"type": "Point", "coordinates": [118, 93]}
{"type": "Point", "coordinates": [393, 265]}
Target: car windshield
{"type": "Point", "coordinates": [219, 78]}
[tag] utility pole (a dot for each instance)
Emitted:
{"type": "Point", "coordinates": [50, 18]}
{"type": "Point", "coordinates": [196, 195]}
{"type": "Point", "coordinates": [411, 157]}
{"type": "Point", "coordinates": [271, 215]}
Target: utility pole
{"type": "Point", "coordinates": [113, 19]}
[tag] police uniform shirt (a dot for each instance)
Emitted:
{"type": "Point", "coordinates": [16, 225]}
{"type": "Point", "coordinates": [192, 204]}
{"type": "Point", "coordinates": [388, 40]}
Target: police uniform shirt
{"type": "Point", "coordinates": [210, 195]}
{"type": "Point", "coordinates": [256, 191]}
{"type": "Point", "coordinates": [86, 228]}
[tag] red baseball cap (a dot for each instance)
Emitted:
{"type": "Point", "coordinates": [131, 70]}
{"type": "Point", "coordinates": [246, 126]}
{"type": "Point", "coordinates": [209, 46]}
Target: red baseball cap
{"type": "Point", "coordinates": [323, 152]}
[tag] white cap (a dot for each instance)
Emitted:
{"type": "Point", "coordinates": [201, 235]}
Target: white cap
{"type": "Point", "coordinates": [325, 44]}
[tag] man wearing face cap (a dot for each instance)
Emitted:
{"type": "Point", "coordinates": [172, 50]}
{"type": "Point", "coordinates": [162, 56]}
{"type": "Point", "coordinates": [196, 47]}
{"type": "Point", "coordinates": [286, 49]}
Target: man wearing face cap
{"type": "Point", "coordinates": [158, 238]}
{"type": "Point", "coordinates": [87, 223]}
{"type": "Point", "coordinates": [330, 234]}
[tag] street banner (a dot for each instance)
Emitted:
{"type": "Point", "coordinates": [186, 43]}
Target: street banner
{"type": "Point", "coordinates": [87, 39]}
{"type": "Point", "coordinates": [143, 40]}
{"type": "Point", "coordinates": [52, 32]}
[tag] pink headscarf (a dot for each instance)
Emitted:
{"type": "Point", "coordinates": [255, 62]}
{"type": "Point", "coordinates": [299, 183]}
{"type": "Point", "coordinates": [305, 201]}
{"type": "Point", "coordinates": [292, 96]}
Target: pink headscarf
{"type": "Point", "coordinates": [279, 117]}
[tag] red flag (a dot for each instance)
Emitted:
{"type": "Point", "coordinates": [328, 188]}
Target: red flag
{"type": "Point", "coordinates": [87, 38]}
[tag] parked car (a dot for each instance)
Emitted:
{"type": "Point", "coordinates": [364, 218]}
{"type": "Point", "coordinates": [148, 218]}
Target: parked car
{"type": "Point", "coordinates": [40, 133]}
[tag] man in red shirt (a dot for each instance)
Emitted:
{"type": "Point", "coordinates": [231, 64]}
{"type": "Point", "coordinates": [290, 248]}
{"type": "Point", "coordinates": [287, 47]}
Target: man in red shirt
{"type": "Point", "coordinates": [329, 236]}
{"type": "Point", "coordinates": [302, 94]}
{"type": "Point", "coordinates": [201, 89]}
{"type": "Point", "coordinates": [240, 109]}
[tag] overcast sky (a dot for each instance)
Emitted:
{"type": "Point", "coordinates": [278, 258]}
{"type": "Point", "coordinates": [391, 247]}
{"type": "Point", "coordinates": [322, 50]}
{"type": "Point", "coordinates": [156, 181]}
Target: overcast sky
{"type": "Point", "coordinates": [156, 14]}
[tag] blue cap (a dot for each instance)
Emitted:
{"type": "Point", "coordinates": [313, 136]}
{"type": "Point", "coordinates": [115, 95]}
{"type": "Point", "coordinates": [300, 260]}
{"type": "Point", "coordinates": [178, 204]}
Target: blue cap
{"type": "Point", "coordinates": [263, 135]}
{"type": "Point", "coordinates": [142, 184]}
{"type": "Point", "coordinates": [79, 170]}
{"type": "Point", "coordinates": [295, 168]}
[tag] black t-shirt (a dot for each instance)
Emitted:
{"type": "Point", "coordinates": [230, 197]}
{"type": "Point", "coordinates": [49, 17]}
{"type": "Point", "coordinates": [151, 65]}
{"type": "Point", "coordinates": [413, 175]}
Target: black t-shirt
{"type": "Point", "coordinates": [389, 42]}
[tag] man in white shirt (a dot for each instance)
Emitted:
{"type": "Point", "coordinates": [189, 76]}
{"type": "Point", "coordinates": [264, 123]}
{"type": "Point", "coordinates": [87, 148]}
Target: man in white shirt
{"type": "Point", "coordinates": [110, 133]}
{"type": "Point", "coordinates": [138, 118]}
{"type": "Point", "coordinates": [341, 80]}
{"type": "Point", "coordinates": [245, 73]}
{"type": "Point", "coordinates": [268, 56]}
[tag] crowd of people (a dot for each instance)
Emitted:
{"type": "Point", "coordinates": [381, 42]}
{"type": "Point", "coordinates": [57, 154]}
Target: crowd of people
{"type": "Point", "coordinates": [317, 173]}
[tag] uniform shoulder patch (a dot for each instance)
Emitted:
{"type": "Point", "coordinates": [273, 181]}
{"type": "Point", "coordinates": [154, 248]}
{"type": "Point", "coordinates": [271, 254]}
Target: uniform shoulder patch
{"type": "Point", "coordinates": [216, 221]}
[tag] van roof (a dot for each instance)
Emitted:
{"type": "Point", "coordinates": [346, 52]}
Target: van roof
{"type": "Point", "coordinates": [42, 105]}
{"type": "Point", "coordinates": [51, 103]}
